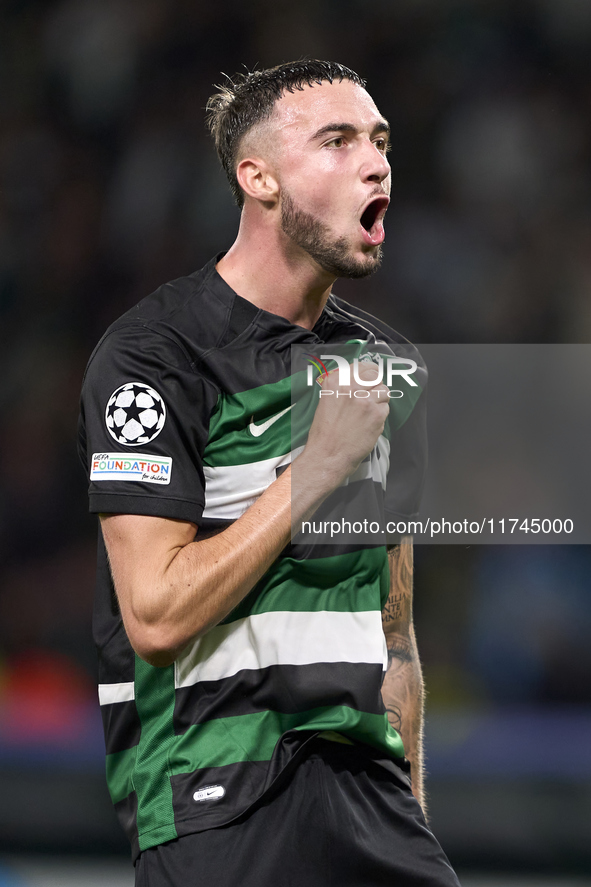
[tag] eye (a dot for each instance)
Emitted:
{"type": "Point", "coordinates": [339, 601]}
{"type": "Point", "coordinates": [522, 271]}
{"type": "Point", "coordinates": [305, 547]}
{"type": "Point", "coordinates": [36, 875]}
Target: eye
{"type": "Point", "coordinates": [382, 144]}
{"type": "Point", "coordinates": [337, 142]}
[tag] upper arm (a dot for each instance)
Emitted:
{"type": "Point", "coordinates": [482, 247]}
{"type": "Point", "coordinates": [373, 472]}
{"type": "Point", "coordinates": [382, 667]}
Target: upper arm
{"type": "Point", "coordinates": [140, 549]}
{"type": "Point", "coordinates": [397, 612]}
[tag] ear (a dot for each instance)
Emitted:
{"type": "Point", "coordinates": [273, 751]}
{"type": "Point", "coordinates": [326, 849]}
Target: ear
{"type": "Point", "coordinates": [256, 179]}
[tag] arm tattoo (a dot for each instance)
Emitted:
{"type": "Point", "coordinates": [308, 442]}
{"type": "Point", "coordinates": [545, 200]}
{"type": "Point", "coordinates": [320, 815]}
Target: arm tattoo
{"type": "Point", "coordinates": [402, 688]}
{"type": "Point", "coordinates": [397, 612]}
{"type": "Point", "coordinates": [398, 650]}
{"type": "Point", "coordinates": [395, 716]}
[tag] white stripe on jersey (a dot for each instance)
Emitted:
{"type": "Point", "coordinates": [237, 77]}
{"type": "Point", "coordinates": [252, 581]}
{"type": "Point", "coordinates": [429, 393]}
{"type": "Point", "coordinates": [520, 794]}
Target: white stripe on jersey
{"type": "Point", "coordinates": [110, 693]}
{"type": "Point", "coordinates": [282, 638]}
{"type": "Point", "coordinates": [231, 489]}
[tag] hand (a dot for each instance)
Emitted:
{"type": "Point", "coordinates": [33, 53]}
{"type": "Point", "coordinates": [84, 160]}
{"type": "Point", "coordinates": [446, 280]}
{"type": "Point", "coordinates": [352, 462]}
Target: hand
{"type": "Point", "coordinates": [347, 423]}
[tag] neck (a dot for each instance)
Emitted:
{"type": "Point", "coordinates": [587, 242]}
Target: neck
{"type": "Point", "coordinates": [266, 268]}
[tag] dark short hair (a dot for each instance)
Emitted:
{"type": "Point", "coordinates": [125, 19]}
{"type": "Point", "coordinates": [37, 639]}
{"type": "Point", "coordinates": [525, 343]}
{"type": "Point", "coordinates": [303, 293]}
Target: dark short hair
{"type": "Point", "coordinates": [249, 98]}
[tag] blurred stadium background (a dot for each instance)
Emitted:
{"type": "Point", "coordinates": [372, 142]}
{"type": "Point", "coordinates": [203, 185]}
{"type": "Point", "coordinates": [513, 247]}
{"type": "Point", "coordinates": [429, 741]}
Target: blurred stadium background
{"type": "Point", "coordinates": [109, 186]}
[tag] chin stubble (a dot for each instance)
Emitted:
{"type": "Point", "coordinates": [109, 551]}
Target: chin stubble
{"type": "Point", "coordinates": [313, 236]}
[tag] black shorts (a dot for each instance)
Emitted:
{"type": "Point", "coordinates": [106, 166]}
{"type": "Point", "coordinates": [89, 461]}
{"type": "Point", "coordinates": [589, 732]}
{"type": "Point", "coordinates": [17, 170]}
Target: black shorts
{"type": "Point", "coordinates": [341, 820]}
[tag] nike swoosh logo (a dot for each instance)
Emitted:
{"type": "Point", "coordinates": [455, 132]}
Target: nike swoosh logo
{"type": "Point", "coordinates": [210, 793]}
{"type": "Point", "coordinates": [257, 430]}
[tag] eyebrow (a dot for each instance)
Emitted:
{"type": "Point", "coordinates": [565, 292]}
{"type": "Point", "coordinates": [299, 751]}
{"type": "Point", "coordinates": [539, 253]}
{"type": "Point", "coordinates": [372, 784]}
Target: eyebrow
{"type": "Point", "coordinates": [380, 126]}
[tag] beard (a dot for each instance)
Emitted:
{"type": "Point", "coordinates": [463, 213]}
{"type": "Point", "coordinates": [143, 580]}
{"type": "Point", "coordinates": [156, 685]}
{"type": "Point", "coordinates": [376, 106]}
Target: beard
{"type": "Point", "coordinates": [331, 253]}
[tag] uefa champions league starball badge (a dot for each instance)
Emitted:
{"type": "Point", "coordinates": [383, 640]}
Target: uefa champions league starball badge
{"type": "Point", "coordinates": [135, 414]}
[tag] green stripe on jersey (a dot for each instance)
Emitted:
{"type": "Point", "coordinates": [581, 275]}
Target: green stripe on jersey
{"type": "Point", "coordinates": [120, 768]}
{"type": "Point", "coordinates": [351, 582]}
{"type": "Point", "coordinates": [154, 695]}
{"type": "Point", "coordinates": [401, 408]}
{"type": "Point", "coordinates": [253, 737]}
{"type": "Point", "coordinates": [231, 440]}
{"type": "Point", "coordinates": [249, 737]}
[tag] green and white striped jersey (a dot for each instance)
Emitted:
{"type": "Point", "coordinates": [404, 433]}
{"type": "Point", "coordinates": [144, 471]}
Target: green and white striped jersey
{"type": "Point", "coordinates": [190, 409]}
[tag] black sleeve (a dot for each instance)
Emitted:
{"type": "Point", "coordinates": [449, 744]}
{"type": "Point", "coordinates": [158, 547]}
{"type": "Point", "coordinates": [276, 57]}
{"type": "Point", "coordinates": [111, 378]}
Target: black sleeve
{"type": "Point", "coordinates": [408, 441]}
{"type": "Point", "coordinates": [143, 426]}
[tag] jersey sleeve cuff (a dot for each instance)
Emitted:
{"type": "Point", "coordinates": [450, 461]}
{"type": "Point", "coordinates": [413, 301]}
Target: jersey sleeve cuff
{"type": "Point", "coordinates": [124, 503]}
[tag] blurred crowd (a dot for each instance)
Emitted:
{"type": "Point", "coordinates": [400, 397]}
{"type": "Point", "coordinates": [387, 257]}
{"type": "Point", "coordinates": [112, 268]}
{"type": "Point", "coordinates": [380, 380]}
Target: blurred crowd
{"type": "Point", "coordinates": [109, 186]}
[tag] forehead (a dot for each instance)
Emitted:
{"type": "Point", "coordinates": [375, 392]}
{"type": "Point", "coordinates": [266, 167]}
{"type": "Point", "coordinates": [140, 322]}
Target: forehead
{"type": "Point", "coordinates": [301, 113]}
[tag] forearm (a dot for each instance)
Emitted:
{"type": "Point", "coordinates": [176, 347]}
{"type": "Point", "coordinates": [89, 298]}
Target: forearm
{"type": "Point", "coordinates": [173, 586]}
{"type": "Point", "coordinates": [207, 578]}
{"type": "Point", "coordinates": [403, 695]}
{"type": "Point", "coordinates": [191, 584]}
{"type": "Point", "coordinates": [403, 689]}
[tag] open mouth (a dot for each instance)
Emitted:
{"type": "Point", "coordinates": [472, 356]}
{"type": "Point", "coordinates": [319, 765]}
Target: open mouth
{"type": "Point", "coordinates": [372, 219]}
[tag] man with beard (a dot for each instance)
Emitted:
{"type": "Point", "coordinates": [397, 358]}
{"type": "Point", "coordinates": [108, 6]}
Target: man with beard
{"type": "Point", "coordinates": [256, 733]}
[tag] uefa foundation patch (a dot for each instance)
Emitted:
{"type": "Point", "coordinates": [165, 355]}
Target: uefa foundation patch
{"type": "Point", "coordinates": [122, 466]}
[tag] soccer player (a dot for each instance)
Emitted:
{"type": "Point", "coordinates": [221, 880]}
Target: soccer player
{"type": "Point", "coordinates": [257, 733]}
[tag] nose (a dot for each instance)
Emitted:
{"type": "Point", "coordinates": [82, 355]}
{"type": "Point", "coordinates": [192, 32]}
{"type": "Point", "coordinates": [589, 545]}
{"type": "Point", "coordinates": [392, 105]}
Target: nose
{"type": "Point", "coordinates": [375, 165]}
